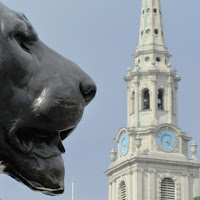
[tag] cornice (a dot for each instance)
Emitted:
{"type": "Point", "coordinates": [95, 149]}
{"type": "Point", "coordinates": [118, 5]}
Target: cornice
{"type": "Point", "coordinates": [146, 159]}
{"type": "Point", "coordinates": [155, 72]}
{"type": "Point", "coordinates": [144, 52]}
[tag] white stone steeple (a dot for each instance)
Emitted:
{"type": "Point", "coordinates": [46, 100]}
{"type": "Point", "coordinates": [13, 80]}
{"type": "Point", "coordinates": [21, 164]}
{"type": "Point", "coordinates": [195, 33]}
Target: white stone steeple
{"type": "Point", "coordinates": [152, 85]}
{"type": "Point", "coordinates": [152, 161]}
{"type": "Point", "coordinates": [151, 38]}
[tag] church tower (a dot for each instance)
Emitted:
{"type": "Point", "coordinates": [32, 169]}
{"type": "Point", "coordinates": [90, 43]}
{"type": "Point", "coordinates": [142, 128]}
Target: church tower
{"type": "Point", "coordinates": [152, 160]}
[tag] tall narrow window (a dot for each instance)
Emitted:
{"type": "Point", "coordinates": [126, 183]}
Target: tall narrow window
{"type": "Point", "coordinates": [123, 191]}
{"type": "Point", "coordinates": [133, 102]}
{"type": "Point", "coordinates": [167, 189]}
{"type": "Point", "coordinates": [146, 99]}
{"type": "Point", "coordinates": [160, 99]}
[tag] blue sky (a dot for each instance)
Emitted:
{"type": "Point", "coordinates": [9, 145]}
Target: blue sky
{"type": "Point", "coordinates": [101, 36]}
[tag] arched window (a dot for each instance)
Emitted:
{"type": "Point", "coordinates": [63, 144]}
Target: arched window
{"type": "Point", "coordinates": [133, 102]}
{"type": "Point", "coordinates": [123, 191]}
{"type": "Point", "coordinates": [167, 189]}
{"type": "Point", "coordinates": [146, 99]}
{"type": "Point", "coordinates": [160, 99]}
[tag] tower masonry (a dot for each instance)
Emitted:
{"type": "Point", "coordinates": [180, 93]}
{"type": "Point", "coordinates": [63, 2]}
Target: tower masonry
{"type": "Point", "coordinates": [151, 162]}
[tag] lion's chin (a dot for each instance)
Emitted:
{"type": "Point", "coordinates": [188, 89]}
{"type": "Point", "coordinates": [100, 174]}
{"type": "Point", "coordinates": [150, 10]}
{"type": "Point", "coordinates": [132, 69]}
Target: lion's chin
{"type": "Point", "coordinates": [40, 167]}
{"type": "Point", "coordinates": [39, 175]}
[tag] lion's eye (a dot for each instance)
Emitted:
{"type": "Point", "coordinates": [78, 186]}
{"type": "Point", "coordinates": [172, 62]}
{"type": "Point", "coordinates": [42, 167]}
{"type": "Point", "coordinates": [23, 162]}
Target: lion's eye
{"type": "Point", "coordinates": [23, 40]}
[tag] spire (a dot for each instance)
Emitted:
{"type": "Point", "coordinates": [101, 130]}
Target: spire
{"type": "Point", "coordinates": [151, 27]}
{"type": "Point", "coordinates": [151, 48]}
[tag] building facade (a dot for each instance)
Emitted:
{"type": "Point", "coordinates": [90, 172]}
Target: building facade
{"type": "Point", "coordinates": [152, 160]}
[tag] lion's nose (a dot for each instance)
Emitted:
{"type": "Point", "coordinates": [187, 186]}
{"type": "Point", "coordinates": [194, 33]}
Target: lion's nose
{"type": "Point", "coordinates": [88, 90]}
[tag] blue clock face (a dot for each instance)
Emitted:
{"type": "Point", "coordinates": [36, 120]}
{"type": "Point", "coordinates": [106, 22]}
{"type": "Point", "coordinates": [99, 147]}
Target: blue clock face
{"type": "Point", "coordinates": [124, 144]}
{"type": "Point", "coordinates": [166, 140]}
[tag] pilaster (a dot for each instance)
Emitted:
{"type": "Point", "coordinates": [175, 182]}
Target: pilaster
{"type": "Point", "coordinates": [153, 101]}
{"type": "Point", "coordinates": [136, 103]}
{"type": "Point", "coordinates": [138, 183]}
{"type": "Point", "coordinates": [129, 102]}
{"type": "Point", "coordinates": [114, 190]}
{"type": "Point", "coordinates": [130, 185]}
{"type": "Point", "coordinates": [185, 186]}
{"type": "Point", "coordinates": [176, 101]}
{"type": "Point", "coordinates": [170, 101]}
{"type": "Point", "coordinates": [195, 186]}
{"type": "Point", "coordinates": [110, 191]}
{"type": "Point", "coordinates": [151, 184]}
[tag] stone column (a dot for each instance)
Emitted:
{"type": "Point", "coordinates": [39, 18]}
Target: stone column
{"type": "Point", "coordinates": [137, 103]}
{"type": "Point", "coordinates": [114, 190]}
{"type": "Point", "coordinates": [153, 101]}
{"type": "Point", "coordinates": [165, 100]}
{"type": "Point", "coordinates": [190, 179]}
{"type": "Point", "coordinates": [151, 184]}
{"type": "Point", "coordinates": [129, 184]}
{"type": "Point", "coordinates": [195, 186]}
{"type": "Point", "coordinates": [185, 186]}
{"type": "Point", "coordinates": [129, 107]}
{"type": "Point", "coordinates": [175, 102]}
{"type": "Point", "coordinates": [170, 102]}
{"type": "Point", "coordinates": [138, 184]}
{"type": "Point", "coordinates": [110, 191]}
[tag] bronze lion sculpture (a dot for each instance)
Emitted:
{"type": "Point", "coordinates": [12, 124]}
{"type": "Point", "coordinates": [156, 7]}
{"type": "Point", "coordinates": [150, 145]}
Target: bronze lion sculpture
{"type": "Point", "coordinates": [42, 98]}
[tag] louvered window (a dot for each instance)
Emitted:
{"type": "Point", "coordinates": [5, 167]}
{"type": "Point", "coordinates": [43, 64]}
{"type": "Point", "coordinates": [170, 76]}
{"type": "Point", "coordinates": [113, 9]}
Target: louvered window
{"type": "Point", "coordinates": [146, 99]}
{"type": "Point", "coordinates": [167, 189]}
{"type": "Point", "coordinates": [123, 191]}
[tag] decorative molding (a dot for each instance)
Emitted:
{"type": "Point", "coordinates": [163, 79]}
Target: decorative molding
{"type": "Point", "coordinates": [130, 172]}
{"type": "Point", "coordinates": [185, 174]}
{"type": "Point", "coordinates": [152, 171]}
{"type": "Point", "coordinates": [195, 176]}
{"type": "Point", "coordinates": [111, 180]}
{"type": "Point", "coordinates": [170, 84]}
{"type": "Point", "coordinates": [138, 170]}
{"type": "Point", "coordinates": [136, 83]}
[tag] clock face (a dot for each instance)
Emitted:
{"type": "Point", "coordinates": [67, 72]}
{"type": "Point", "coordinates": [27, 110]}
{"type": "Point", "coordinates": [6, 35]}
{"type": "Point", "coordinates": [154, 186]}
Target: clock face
{"type": "Point", "coordinates": [166, 140]}
{"type": "Point", "coordinates": [124, 144]}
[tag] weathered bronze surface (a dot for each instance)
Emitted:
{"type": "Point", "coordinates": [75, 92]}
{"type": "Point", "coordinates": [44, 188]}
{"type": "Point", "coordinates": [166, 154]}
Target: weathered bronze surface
{"type": "Point", "coordinates": [42, 98]}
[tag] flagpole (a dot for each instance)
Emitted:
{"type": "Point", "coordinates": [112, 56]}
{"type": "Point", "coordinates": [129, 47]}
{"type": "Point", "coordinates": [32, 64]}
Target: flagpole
{"type": "Point", "coordinates": [72, 190]}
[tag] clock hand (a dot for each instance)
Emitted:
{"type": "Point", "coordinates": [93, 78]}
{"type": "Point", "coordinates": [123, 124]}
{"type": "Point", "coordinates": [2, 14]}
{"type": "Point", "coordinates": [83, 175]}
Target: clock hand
{"type": "Point", "coordinates": [168, 142]}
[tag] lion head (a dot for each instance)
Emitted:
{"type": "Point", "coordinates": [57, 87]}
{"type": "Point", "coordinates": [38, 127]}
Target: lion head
{"type": "Point", "coordinates": [42, 98]}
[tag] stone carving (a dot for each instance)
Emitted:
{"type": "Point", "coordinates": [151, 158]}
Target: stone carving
{"type": "Point", "coordinates": [42, 98]}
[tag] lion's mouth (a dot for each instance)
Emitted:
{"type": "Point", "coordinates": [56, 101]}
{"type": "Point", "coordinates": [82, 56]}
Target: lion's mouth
{"type": "Point", "coordinates": [43, 143]}
{"type": "Point", "coordinates": [42, 151]}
